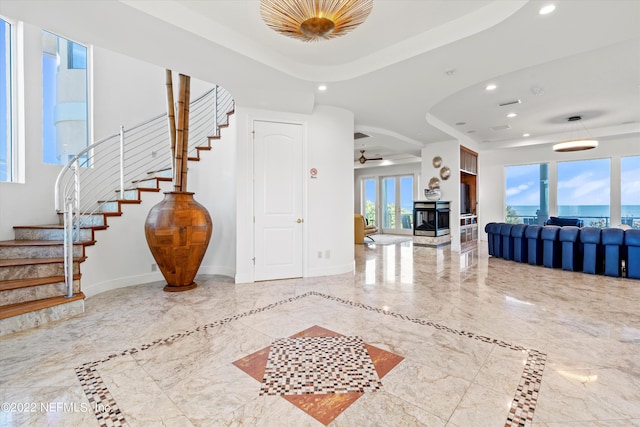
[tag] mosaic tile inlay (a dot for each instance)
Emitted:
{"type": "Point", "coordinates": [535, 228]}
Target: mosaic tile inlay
{"type": "Point", "coordinates": [319, 365]}
{"type": "Point", "coordinates": [522, 406]}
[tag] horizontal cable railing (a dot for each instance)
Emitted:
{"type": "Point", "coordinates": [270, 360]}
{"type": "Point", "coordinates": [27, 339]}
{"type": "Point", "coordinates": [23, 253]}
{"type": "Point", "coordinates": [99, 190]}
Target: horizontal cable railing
{"type": "Point", "coordinates": [112, 168]}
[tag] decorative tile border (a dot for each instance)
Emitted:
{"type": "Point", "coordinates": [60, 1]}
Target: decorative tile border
{"type": "Point", "coordinates": [522, 407]}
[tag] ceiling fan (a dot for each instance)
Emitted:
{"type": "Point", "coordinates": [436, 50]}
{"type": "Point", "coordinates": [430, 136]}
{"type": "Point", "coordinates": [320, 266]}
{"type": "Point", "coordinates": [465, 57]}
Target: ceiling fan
{"type": "Point", "coordinates": [363, 159]}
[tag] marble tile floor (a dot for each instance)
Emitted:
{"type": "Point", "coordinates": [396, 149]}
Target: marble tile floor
{"type": "Point", "coordinates": [475, 341]}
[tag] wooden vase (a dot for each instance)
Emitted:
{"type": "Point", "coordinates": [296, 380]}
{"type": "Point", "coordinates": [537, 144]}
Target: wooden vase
{"type": "Point", "coordinates": [178, 230]}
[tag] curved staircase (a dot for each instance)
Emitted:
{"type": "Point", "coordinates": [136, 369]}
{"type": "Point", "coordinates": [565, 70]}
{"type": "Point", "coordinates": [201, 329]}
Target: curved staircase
{"type": "Point", "coordinates": [33, 290]}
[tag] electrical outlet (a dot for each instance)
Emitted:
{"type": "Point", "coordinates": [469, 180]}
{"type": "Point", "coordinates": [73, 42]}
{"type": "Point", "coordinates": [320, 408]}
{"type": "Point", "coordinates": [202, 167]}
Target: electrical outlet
{"type": "Point", "coordinates": [327, 253]}
{"type": "Point", "coordinates": [319, 254]}
{"type": "Point", "coordinates": [154, 267]}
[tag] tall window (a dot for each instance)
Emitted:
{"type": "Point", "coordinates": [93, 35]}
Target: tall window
{"type": "Point", "coordinates": [584, 189]}
{"type": "Point", "coordinates": [527, 194]}
{"type": "Point", "coordinates": [369, 200]}
{"type": "Point", "coordinates": [6, 91]}
{"type": "Point", "coordinates": [630, 186]}
{"type": "Point", "coordinates": [397, 204]}
{"type": "Point", "coordinates": [65, 130]}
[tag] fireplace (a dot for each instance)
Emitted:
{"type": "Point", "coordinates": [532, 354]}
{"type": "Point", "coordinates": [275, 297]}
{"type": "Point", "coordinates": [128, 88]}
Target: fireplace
{"type": "Point", "coordinates": [430, 218]}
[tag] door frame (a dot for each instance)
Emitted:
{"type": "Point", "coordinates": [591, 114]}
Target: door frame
{"type": "Point", "coordinates": [250, 206]}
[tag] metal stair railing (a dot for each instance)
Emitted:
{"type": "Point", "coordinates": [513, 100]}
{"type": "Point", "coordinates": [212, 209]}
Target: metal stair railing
{"type": "Point", "coordinates": [106, 169]}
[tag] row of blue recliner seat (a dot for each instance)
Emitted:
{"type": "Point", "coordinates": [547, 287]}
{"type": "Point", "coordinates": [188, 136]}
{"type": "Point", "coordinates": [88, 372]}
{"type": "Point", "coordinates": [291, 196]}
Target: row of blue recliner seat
{"type": "Point", "coordinates": [589, 249]}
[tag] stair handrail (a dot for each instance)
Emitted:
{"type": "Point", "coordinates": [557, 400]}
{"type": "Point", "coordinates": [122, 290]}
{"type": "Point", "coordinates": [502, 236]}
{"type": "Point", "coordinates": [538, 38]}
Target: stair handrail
{"type": "Point", "coordinates": [132, 155]}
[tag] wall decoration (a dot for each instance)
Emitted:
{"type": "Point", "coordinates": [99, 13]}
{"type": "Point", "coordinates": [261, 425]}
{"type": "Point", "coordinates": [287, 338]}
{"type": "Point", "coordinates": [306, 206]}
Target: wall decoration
{"type": "Point", "coordinates": [445, 173]}
{"type": "Point", "coordinates": [434, 183]}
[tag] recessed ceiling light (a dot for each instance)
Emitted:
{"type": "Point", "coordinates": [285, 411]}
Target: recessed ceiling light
{"type": "Point", "coordinates": [491, 87]}
{"type": "Point", "coordinates": [461, 123]}
{"type": "Point", "coordinates": [526, 135]}
{"type": "Point", "coordinates": [511, 115]}
{"type": "Point", "coordinates": [322, 88]}
{"type": "Point", "coordinates": [547, 9]}
{"type": "Point", "coordinates": [450, 71]}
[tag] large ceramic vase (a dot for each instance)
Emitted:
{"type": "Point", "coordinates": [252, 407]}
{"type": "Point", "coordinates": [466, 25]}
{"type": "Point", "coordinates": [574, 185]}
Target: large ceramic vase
{"type": "Point", "coordinates": [178, 230]}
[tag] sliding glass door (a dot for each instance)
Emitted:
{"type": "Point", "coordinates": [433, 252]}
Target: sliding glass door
{"type": "Point", "coordinates": [397, 204]}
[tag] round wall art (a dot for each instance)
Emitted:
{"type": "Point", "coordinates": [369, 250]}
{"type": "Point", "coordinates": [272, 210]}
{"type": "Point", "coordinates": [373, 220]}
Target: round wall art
{"type": "Point", "coordinates": [445, 173]}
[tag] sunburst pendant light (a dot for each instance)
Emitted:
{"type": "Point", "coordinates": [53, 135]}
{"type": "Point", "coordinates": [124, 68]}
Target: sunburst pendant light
{"type": "Point", "coordinates": [313, 20]}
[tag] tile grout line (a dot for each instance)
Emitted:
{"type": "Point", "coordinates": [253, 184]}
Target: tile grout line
{"type": "Point", "coordinates": [521, 410]}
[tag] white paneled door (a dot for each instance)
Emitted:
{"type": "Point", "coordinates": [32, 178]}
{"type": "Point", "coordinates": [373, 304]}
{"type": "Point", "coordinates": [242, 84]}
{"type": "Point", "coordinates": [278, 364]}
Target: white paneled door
{"type": "Point", "coordinates": [278, 180]}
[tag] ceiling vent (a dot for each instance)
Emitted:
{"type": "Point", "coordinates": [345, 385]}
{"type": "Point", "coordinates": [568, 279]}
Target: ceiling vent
{"type": "Point", "coordinates": [360, 135]}
{"type": "Point", "coordinates": [504, 104]}
{"type": "Point", "coordinates": [501, 127]}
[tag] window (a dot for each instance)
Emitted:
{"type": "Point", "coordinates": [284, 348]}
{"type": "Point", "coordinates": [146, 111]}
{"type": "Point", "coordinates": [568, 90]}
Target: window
{"type": "Point", "coordinates": [630, 186]}
{"type": "Point", "coordinates": [65, 130]}
{"type": "Point", "coordinates": [584, 189]}
{"type": "Point", "coordinates": [397, 204]}
{"type": "Point", "coordinates": [527, 194]}
{"type": "Point", "coordinates": [369, 200]}
{"type": "Point", "coordinates": [6, 103]}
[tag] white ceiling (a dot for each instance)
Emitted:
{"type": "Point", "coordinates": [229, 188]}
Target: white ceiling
{"type": "Point", "coordinates": [412, 71]}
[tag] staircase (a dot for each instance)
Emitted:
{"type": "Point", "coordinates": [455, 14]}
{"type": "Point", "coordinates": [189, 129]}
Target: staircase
{"type": "Point", "coordinates": [34, 287]}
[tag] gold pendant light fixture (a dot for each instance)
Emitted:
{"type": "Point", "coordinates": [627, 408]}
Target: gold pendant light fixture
{"type": "Point", "coordinates": [576, 144]}
{"type": "Point", "coordinates": [314, 20]}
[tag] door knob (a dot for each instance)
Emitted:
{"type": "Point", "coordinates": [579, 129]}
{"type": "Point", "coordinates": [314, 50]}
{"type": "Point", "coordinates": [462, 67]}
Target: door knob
{"type": "Point", "coordinates": [299, 220]}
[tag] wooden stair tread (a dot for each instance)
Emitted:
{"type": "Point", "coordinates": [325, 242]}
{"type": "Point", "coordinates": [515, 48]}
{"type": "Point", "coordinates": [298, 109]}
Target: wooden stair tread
{"type": "Point", "coordinates": [126, 201]}
{"type": "Point", "coordinates": [17, 309]}
{"type": "Point", "coordinates": [14, 243]}
{"type": "Point", "coordinates": [157, 178]}
{"type": "Point", "coordinates": [7, 285]}
{"type": "Point", "coordinates": [14, 262]}
{"type": "Point", "coordinates": [56, 226]}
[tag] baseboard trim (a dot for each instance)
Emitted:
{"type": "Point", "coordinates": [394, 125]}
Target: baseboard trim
{"type": "Point", "coordinates": [123, 282]}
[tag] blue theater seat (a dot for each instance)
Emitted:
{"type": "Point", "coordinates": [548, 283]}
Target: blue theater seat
{"type": "Point", "coordinates": [613, 242]}
{"type": "Point", "coordinates": [497, 240]}
{"type": "Point", "coordinates": [591, 250]}
{"type": "Point", "coordinates": [534, 244]}
{"type": "Point", "coordinates": [569, 237]}
{"type": "Point", "coordinates": [489, 230]}
{"type": "Point", "coordinates": [632, 243]}
{"type": "Point", "coordinates": [507, 241]}
{"type": "Point", "coordinates": [519, 243]}
{"type": "Point", "coordinates": [550, 246]}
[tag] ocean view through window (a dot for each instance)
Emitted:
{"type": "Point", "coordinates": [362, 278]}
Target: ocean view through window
{"type": "Point", "coordinates": [584, 191]}
{"type": "Point", "coordinates": [527, 194]}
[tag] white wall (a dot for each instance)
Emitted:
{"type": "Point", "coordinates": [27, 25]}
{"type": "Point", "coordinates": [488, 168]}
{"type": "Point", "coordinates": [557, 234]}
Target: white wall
{"type": "Point", "coordinates": [121, 256]}
{"type": "Point", "coordinates": [328, 199]}
{"type": "Point", "coordinates": [30, 202]}
{"type": "Point", "coordinates": [491, 193]}
{"type": "Point", "coordinates": [126, 91]}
